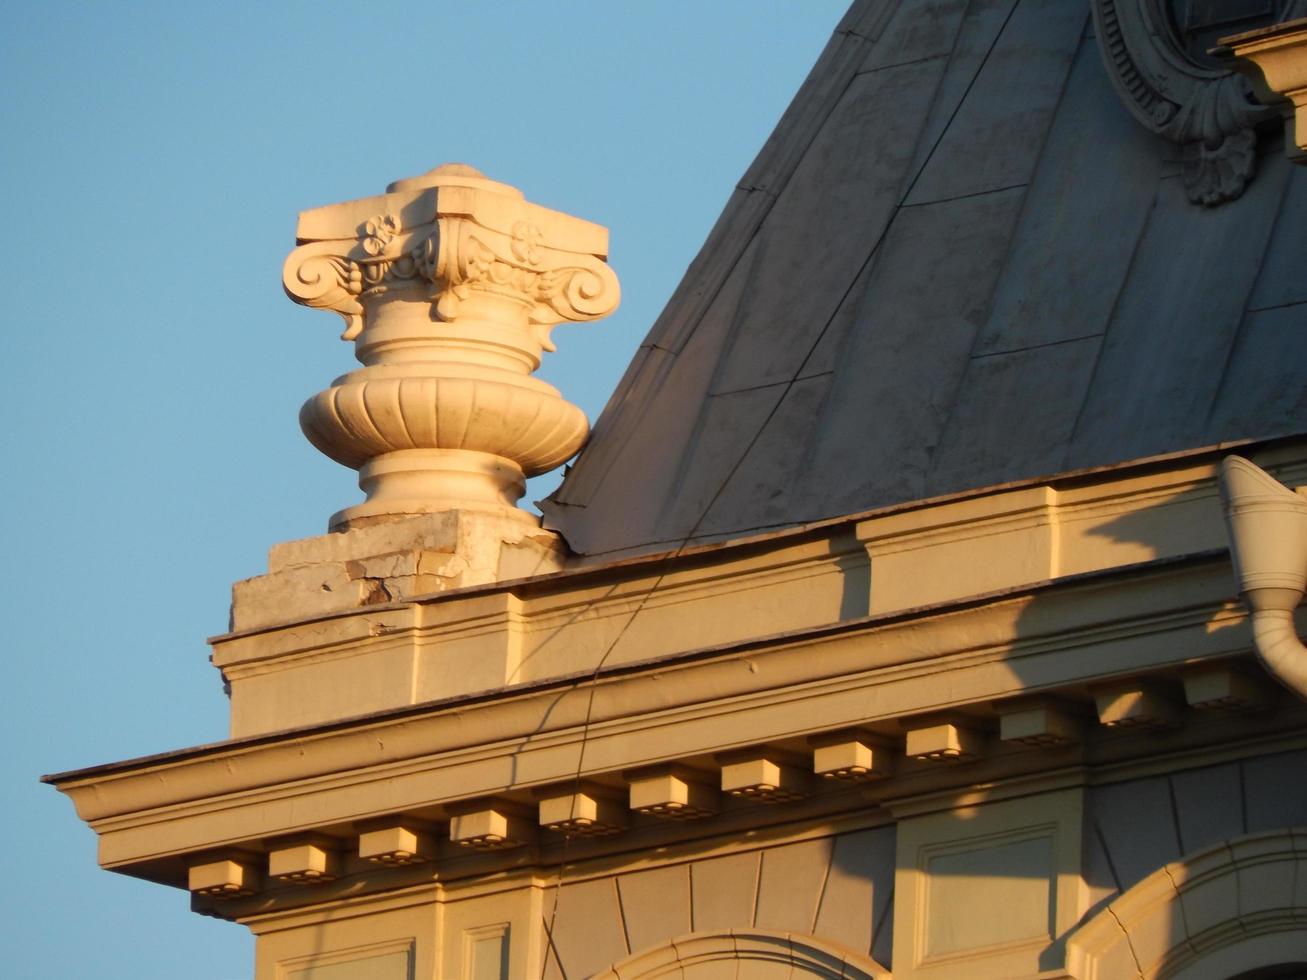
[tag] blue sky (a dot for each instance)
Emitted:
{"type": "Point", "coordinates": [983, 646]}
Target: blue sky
{"type": "Point", "coordinates": [154, 156]}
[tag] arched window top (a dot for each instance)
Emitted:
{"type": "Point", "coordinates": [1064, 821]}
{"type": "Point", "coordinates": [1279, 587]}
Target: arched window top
{"type": "Point", "coordinates": [1227, 912]}
{"type": "Point", "coordinates": [720, 954]}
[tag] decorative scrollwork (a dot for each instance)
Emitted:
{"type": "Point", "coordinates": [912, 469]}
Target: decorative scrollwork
{"type": "Point", "coordinates": [555, 286]}
{"type": "Point", "coordinates": [578, 292]}
{"type": "Point", "coordinates": [1208, 110]}
{"type": "Point", "coordinates": [379, 232]}
{"type": "Point", "coordinates": [461, 256]}
{"type": "Point", "coordinates": [316, 275]}
{"type": "Point", "coordinates": [526, 243]}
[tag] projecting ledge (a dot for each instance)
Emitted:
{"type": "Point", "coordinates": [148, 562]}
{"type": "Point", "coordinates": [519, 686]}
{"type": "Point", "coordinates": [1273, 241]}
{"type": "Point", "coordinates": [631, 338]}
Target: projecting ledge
{"type": "Point", "coordinates": [1275, 60]}
{"type": "Point", "coordinates": [815, 683]}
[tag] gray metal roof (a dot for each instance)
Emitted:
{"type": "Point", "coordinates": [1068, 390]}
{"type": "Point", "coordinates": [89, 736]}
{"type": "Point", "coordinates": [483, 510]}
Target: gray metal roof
{"type": "Point", "coordinates": [958, 262]}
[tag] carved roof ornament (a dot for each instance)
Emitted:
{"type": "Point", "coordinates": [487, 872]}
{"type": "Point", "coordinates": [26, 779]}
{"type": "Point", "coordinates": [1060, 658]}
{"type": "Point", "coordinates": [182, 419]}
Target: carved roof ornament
{"type": "Point", "coordinates": [1156, 55]}
{"type": "Point", "coordinates": [449, 284]}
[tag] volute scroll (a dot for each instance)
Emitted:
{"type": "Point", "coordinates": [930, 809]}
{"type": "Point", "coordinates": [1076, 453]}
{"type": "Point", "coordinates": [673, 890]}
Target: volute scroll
{"type": "Point", "coordinates": [1156, 55]}
{"type": "Point", "coordinates": [449, 284]}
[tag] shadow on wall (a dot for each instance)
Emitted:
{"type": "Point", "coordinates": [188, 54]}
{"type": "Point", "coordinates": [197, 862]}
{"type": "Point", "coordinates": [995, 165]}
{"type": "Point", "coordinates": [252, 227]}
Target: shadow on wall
{"type": "Point", "coordinates": [1179, 815]}
{"type": "Point", "coordinates": [837, 888]}
{"type": "Point", "coordinates": [1015, 859]}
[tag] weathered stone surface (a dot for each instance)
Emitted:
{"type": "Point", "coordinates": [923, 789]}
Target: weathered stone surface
{"type": "Point", "coordinates": [858, 888]}
{"type": "Point", "coordinates": [586, 926]}
{"type": "Point", "coordinates": [1034, 392]}
{"type": "Point", "coordinates": [1077, 236]}
{"type": "Point", "coordinates": [1209, 806]}
{"type": "Point", "coordinates": [1262, 391]}
{"type": "Point", "coordinates": [723, 891]}
{"type": "Point", "coordinates": [1136, 824]}
{"type": "Point", "coordinates": [1197, 265]}
{"type": "Point", "coordinates": [964, 47]}
{"type": "Point", "coordinates": [1102, 318]}
{"type": "Point", "coordinates": [391, 562]}
{"type": "Point", "coordinates": [784, 416]}
{"type": "Point", "coordinates": [994, 138]}
{"type": "Point", "coordinates": [902, 361]}
{"type": "Point", "coordinates": [818, 235]}
{"type": "Point", "coordinates": [1280, 280]}
{"type": "Point", "coordinates": [655, 905]}
{"type": "Point", "coordinates": [790, 884]}
{"type": "Point", "coordinates": [919, 30]}
{"type": "Point", "coordinates": [645, 479]}
{"type": "Point", "coordinates": [1276, 797]}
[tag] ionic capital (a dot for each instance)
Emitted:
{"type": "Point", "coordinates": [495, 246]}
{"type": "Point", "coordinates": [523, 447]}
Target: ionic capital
{"type": "Point", "coordinates": [449, 284]}
{"type": "Point", "coordinates": [461, 236]}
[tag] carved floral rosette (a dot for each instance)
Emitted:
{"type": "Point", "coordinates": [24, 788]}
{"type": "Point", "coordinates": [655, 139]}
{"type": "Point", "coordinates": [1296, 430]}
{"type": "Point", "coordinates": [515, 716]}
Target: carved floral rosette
{"type": "Point", "coordinates": [1208, 110]}
{"type": "Point", "coordinates": [449, 290]}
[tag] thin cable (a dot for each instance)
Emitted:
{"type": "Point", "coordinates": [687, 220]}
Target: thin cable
{"type": "Point", "coordinates": [707, 509]}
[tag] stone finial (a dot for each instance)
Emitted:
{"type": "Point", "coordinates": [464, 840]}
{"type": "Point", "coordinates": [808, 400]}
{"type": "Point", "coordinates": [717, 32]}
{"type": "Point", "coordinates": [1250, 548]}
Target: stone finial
{"type": "Point", "coordinates": [449, 284]}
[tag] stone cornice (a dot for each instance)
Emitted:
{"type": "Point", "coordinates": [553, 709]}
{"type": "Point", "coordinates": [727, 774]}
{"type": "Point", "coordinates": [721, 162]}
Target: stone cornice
{"type": "Point", "coordinates": [1210, 566]}
{"type": "Point", "coordinates": [902, 562]}
{"type": "Point", "coordinates": [876, 674]}
{"type": "Point", "coordinates": [1198, 463]}
{"type": "Point", "coordinates": [778, 685]}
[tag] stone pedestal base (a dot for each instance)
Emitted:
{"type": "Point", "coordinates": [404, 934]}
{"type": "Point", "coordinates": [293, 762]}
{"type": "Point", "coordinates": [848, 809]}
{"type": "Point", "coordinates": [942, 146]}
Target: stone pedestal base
{"type": "Point", "coordinates": [434, 481]}
{"type": "Point", "coordinates": [392, 561]}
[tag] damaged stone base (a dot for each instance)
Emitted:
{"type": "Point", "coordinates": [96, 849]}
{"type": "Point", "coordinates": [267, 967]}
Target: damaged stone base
{"type": "Point", "coordinates": [392, 561]}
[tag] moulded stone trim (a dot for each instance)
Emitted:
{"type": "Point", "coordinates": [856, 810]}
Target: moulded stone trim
{"type": "Point", "coordinates": [944, 742]}
{"type": "Point", "coordinates": [1178, 922]}
{"type": "Point", "coordinates": [764, 778]}
{"type": "Point", "coordinates": [807, 956]}
{"type": "Point", "coordinates": [224, 878]}
{"type": "Point", "coordinates": [304, 863]}
{"type": "Point", "coordinates": [766, 585]}
{"type": "Point", "coordinates": [300, 966]}
{"type": "Point", "coordinates": [413, 781]}
{"type": "Point", "coordinates": [1224, 687]}
{"type": "Point", "coordinates": [960, 909]}
{"type": "Point", "coordinates": [395, 844]}
{"type": "Point", "coordinates": [492, 827]}
{"type": "Point", "coordinates": [672, 795]}
{"type": "Point", "coordinates": [583, 812]}
{"type": "Point", "coordinates": [853, 756]}
{"type": "Point", "coordinates": [1038, 723]}
{"type": "Point", "coordinates": [1135, 704]}
{"type": "Point", "coordinates": [1203, 109]}
{"type": "Point", "coordinates": [1275, 61]}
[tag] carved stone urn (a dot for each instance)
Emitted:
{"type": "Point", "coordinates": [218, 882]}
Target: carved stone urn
{"type": "Point", "coordinates": [449, 284]}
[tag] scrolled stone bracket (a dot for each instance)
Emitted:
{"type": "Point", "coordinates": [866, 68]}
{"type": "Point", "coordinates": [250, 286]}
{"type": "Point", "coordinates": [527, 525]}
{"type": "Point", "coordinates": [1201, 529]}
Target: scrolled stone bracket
{"type": "Point", "coordinates": [553, 285]}
{"type": "Point", "coordinates": [1205, 108]}
{"type": "Point", "coordinates": [315, 275]}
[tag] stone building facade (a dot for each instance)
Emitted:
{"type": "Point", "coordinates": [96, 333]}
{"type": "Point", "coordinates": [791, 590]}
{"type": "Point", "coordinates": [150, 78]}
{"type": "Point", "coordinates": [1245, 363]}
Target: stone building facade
{"type": "Point", "coordinates": [885, 625]}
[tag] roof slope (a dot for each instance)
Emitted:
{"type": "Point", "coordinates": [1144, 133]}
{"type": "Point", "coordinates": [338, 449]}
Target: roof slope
{"type": "Point", "coordinates": [958, 262]}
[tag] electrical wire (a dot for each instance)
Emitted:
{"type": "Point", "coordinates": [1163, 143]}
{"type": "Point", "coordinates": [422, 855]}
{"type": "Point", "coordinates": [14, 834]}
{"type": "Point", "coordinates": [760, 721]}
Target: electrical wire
{"type": "Point", "coordinates": [669, 558]}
